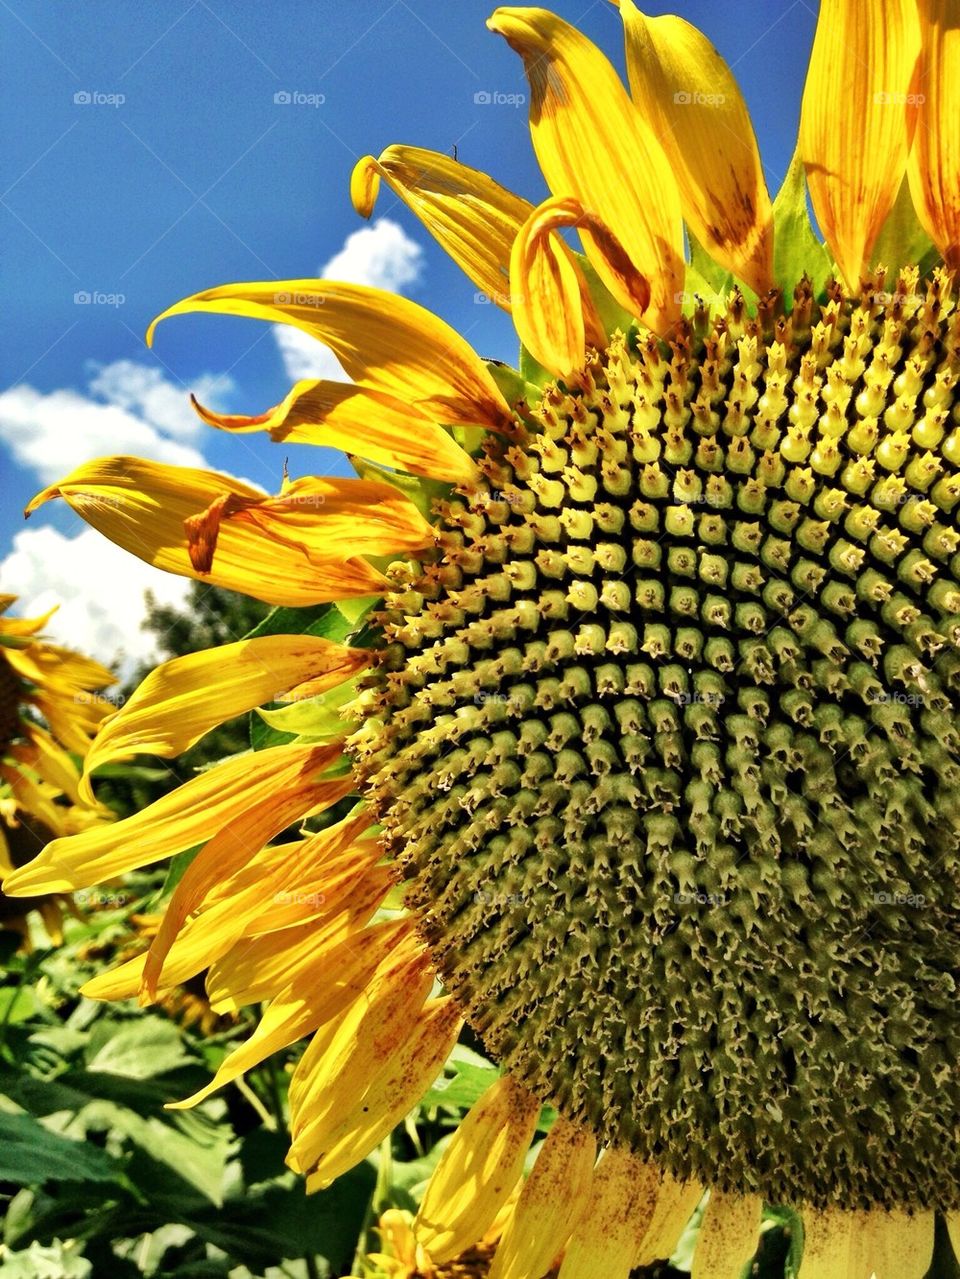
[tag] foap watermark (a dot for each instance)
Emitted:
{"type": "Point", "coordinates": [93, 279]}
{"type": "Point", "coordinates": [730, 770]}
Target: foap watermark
{"type": "Point", "coordinates": [99, 699]}
{"type": "Point", "coordinates": [900, 899]}
{"type": "Point", "coordinates": [896, 699]}
{"type": "Point", "coordinates": [101, 898]}
{"type": "Point", "coordinates": [497, 299]}
{"type": "Point", "coordinates": [501, 699]}
{"type": "Point", "coordinates": [698, 699]}
{"type": "Point", "coordinates": [94, 98]}
{"type": "Point", "coordinates": [704, 297]}
{"type": "Point", "coordinates": [498, 495]}
{"type": "Point", "coordinates": [299, 299]}
{"type": "Point", "coordinates": [295, 898]}
{"type": "Point", "coordinates": [699, 899]}
{"type": "Point", "coordinates": [296, 98]}
{"type": "Point", "coordinates": [300, 499]}
{"type": "Point", "coordinates": [494, 98]}
{"type": "Point", "coordinates": [888, 98]}
{"type": "Point", "coordinates": [694, 98]}
{"type": "Point", "coordinates": [96, 297]}
{"type": "Point", "coordinates": [487, 897]}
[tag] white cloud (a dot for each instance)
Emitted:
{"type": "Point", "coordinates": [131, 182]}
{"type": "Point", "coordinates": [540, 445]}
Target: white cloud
{"type": "Point", "coordinates": [142, 389]}
{"type": "Point", "coordinates": [382, 256]}
{"type": "Point", "coordinates": [131, 408]}
{"type": "Point", "coordinates": [99, 587]}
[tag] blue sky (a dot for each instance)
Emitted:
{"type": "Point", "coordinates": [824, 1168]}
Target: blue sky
{"type": "Point", "coordinates": [146, 156]}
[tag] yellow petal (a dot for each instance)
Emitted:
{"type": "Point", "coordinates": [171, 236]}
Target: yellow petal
{"type": "Point", "coordinates": [334, 517]}
{"type": "Point", "coordinates": [953, 1229]}
{"type": "Point", "coordinates": [184, 698]}
{"type": "Point", "coordinates": [478, 1170]}
{"type": "Point", "coordinates": [52, 763]}
{"type": "Point", "coordinates": [353, 1084]}
{"type": "Point", "coordinates": [385, 343]}
{"type": "Point", "coordinates": [934, 163]}
{"type": "Point", "coordinates": [553, 313]}
{"type": "Point", "coordinates": [343, 416]}
{"type": "Point", "coordinates": [296, 793]}
{"type": "Point", "coordinates": [608, 1235]}
{"type": "Point", "coordinates": [548, 1204]}
{"type": "Point", "coordinates": [303, 1006]}
{"type": "Point", "coordinates": [474, 218]}
{"type": "Point", "coordinates": [235, 905]}
{"type": "Point", "coordinates": [863, 58]}
{"type": "Point", "coordinates": [676, 1202]}
{"type": "Point", "coordinates": [689, 97]}
{"type": "Point", "coordinates": [893, 1245]}
{"type": "Point", "coordinates": [728, 1236]}
{"type": "Point", "coordinates": [22, 625]}
{"type": "Point", "coordinates": [592, 144]}
{"type": "Point", "coordinates": [858, 1245]}
{"type": "Point", "coordinates": [260, 966]}
{"type": "Point", "coordinates": [172, 824]}
{"type": "Point", "coordinates": [145, 506]}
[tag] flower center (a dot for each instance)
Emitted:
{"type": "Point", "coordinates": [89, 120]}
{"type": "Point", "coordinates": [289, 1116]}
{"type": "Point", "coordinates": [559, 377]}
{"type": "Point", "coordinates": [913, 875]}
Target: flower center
{"type": "Point", "coordinates": [664, 743]}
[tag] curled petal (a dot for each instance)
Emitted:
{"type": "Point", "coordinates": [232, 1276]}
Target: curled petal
{"type": "Point", "coordinates": [384, 342]}
{"type": "Point", "coordinates": [343, 416]}
{"type": "Point", "coordinates": [472, 217]}
{"type": "Point", "coordinates": [553, 312]}
{"type": "Point", "coordinates": [592, 144]}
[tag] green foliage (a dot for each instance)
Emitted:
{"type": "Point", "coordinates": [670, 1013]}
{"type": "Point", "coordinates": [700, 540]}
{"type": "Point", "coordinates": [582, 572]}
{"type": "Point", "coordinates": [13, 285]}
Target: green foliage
{"type": "Point", "coordinates": [796, 249]}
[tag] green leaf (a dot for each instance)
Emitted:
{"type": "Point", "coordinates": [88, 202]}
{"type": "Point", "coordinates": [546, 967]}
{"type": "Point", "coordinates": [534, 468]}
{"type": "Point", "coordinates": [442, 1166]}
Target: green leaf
{"type": "Point", "coordinates": [704, 279]}
{"type": "Point", "coordinates": [781, 1243]}
{"type": "Point", "coordinates": [142, 1049]}
{"type": "Point", "coordinates": [902, 240]}
{"type": "Point", "coordinates": [612, 315]}
{"type": "Point", "coordinates": [533, 372]}
{"type": "Point", "coordinates": [30, 1154]}
{"type": "Point", "coordinates": [422, 492]}
{"type": "Point", "coordinates": [315, 718]}
{"type": "Point", "coordinates": [325, 620]}
{"type": "Point", "coordinates": [469, 1077]}
{"type": "Point", "coordinates": [796, 249]}
{"type": "Point", "coordinates": [512, 385]}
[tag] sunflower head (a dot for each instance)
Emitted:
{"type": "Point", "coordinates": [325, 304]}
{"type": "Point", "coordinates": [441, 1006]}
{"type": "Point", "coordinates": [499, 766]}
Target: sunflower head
{"type": "Point", "coordinates": [649, 708]}
{"type": "Point", "coordinates": [50, 705]}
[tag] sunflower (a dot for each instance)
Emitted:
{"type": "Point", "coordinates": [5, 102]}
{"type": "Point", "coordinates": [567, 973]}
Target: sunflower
{"type": "Point", "coordinates": [50, 706]}
{"type": "Point", "coordinates": [642, 757]}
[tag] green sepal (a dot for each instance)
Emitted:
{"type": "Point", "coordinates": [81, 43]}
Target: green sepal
{"type": "Point", "coordinates": [902, 240]}
{"type": "Point", "coordinates": [327, 621]}
{"type": "Point", "coordinates": [612, 315]}
{"type": "Point", "coordinates": [533, 372]}
{"type": "Point", "coordinates": [716, 278]}
{"type": "Point", "coordinates": [512, 385]}
{"type": "Point", "coordinates": [796, 249]}
{"type": "Point", "coordinates": [315, 719]}
{"type": "Point", "coordinates": [420, 490]}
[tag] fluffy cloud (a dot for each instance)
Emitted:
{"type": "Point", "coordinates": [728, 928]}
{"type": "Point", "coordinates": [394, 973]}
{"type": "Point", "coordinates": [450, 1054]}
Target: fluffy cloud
{"type": "Point", "coordinates": [100, 590]}
{"type": "Point", "coordinates": [382, 256]}
{"type": "Point", "coordinates": [142, 389]}
{"type": "Point", "coordinates": [130, 408]}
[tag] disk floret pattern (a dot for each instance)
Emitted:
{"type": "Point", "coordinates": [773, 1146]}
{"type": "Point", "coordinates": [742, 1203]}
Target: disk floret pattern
{"type": "Point", "coordinates": [664, 742]}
